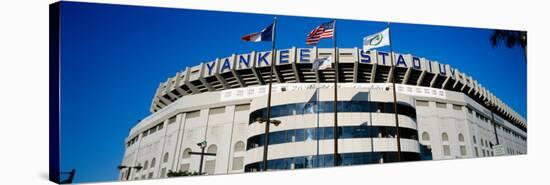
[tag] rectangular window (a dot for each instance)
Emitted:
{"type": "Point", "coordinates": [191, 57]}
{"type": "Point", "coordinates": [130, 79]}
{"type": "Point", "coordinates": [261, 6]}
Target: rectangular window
{"type": "Point", "coordinates": [145, 133]}
{"type": "Point", "coordinates": [172, 119]}
{"type": "Point", "coordinates": [160, 126]}
{"type": "Point", "coordinates": [238, 163]}
{"type": "Point", "coordinates": [446, 150]}
{"type": "Point", "coordinates": [477, 153]}
{"type": "Point", "coordinates": [457, 107]}
{"type": "Point", "coordinates": [150, 176]}
{"type": "Point", "coordinates": [300, 135]}
{"type": "Point", "coordinates": [210, 166]}
{"type": "Point", "coordinates": [243, 107]}
{"type": "Point", "coordinates": [219, 110]}
{"type": "Point", "coordinates": [193, 114]}
{"type": "Point", "coordinates": [422, 103]}
{"type": "Point", "coordinates": [463, 150]}
{"type": "Point", "coordinates": [469, 110]}
{"type": "Point", "coordinates": [163, 173]}
{"type": "Point", "coordinates": [440, 105]}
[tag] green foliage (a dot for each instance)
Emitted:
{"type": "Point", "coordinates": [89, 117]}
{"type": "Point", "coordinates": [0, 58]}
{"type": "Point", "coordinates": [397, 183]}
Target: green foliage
{"type": "Point", "coordinates": [509, 38]}
{"type": "Point", "coordinates": [182, 173]}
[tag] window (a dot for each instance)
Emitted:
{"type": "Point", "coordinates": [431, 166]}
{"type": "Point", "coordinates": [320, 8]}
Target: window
{"type": "Point", "coordinates": [153, 162]}
{"type": "Point", "coordinates": [243, 107]}
{"type": "Point", "coordinates": [163, 172]}
{"type": "Point", "coordinates": [159, 126]}
{"type": "Point", "coordinates": [219, 110]}
{"type": "Point", "coordinates": [469, 110]}
{"type": "Point", "coordinates": [238, 163]}
{"type": "Point", "coordinates": [444, 137]}
{"type": "Point", "coordinates": [150, 176]}
{"type": "Point", "coordinates": [477, 153]}
{"type": "Point", "coordinates": [239, 146]}
{"type": "Point", "coordinates": [172, 119]}
{"type": "Point", "coordinates": [186, 154]}
{"type": "Point", "coordinates": [145, 133]}
{"type": "Point", "coordinates": [165, 159]}
{"type": "Point", "coordinates": [446, 150]}
{"type": "Point", "coordinates": [462, 150]}
{"type": "Point", "coordinates": [193, 114]}
{"type": "Point", "coordinates": [425, 136]}
{"type": "Point", "coordinates": [460, 137]}
{"type": "Point", "coordinates": [457, 107]}
{"type": "Point", "coordinates": [146, 165]}
{"type": "Point", "coordinates": [422, 103]}
{"type": "Point", "coordinates": [474, 137]}
{"type": "Point", "coordinates": [441, 105]}
{"type": "Point", "coordinates": [481, 141]}
{"type": "Point", "coordinates": [210, 165]}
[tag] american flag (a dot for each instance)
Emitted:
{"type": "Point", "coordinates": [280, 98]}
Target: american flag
{"type": "Point", "coordinates": [322, 31]}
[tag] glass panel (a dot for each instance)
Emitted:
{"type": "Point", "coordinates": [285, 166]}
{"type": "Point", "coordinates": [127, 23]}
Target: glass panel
{"type": "Point", "coordinates": [310, 134]}
{"type": "Point", "coordinates": [300, 135]}
{"type": "Point", "coordinates": [290, 135]}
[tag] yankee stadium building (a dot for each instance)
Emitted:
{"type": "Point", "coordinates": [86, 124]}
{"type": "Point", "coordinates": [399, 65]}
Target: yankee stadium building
{"type": "Point", "coordinates": [443, 114]}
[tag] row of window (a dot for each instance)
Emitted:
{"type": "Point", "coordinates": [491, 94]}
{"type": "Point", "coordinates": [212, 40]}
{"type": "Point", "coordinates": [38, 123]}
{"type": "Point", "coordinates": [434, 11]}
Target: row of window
{"type": "Point", "coordinates": [442, 105]}
{"type": "Point", "coordinates": [151, 130]}
{"type": "Point", "coordinates": [328, 107]}
{"type": "Point", "coordinates": [446, 147]}
{"type": "Point", "coordinates": [146, 166]}
{"type": "Point", "coordinates": [444, 137]}
{"type": "Point", "coordinates": [326, 160]}
{"type": "Point", "coordinates": [424, 103]}
{"type": "Point", "coordinates": [484, 152]}
{"type": "Point", "coordinates": [344, 132]}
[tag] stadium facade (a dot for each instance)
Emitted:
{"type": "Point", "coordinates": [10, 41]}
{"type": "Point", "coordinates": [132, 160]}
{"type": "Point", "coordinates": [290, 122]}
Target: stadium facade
{"type": "Point", "coordinates": [443, 114]}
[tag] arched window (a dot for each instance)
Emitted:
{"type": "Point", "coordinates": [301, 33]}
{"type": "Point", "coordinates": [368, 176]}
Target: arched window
{"type": "Point", "coordinates": [146, 165]}
{"type": "Point", "coordinates": [212, 149]}
{"type": "Point", "coordinates": [165, 159]}
{"type": "Point", "coordinates": [210, 164]}
{"type": "Point", "coordinates": [186, 154]}
{"type": "Point", "coordinates": [238, 161]}
{"type": "Point", "coordinates": [460, 137]}
{"type": "Point", "coordinates": [425, 136]}
{"type": "Point", "coordinates": [444, 136]}
{"type": "Point", "coordinates": [239, 146]}
{"type": "Point", "coordinates": [153, 162]}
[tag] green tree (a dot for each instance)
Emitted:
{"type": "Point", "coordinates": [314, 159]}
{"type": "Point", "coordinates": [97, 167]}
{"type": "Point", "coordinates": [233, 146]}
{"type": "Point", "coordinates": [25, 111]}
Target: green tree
{"type": "Point", "coordinates": [510, 39]}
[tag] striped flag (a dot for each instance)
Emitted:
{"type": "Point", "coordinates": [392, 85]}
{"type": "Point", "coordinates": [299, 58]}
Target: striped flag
{"type": "Point", "coordinates": [265, 35]}
{"type": "Point", "coordinates": [322, 31]}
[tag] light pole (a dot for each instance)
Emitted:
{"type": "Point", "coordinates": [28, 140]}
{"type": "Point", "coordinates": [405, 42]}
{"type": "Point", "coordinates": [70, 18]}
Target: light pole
{"type": "Point", "coordinates": [129, 169]}
{"type": "Point", "coordinates": [266, 136]}
{"type": "Point", "coordinates": [202, 145]}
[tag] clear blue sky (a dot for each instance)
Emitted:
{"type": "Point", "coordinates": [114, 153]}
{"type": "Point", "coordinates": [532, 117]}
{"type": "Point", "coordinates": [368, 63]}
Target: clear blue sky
{"type": "Point", "coordinates": [114, 57]}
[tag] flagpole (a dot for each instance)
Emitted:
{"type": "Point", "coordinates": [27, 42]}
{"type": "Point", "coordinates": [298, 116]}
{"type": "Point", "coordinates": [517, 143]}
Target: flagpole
{"type": "Point", "coordinates": [267, 124]}
{"type": "Point", "coordinates": [394, 97]}
{"type": "Point", "coordinates": [317, 108]}
{"type": "Point", "coordinates": [335, 107]}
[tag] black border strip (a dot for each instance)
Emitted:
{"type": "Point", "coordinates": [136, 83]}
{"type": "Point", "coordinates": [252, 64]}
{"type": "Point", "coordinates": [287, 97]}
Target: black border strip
{"type": "Point", "coordinates": [54, 61]}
